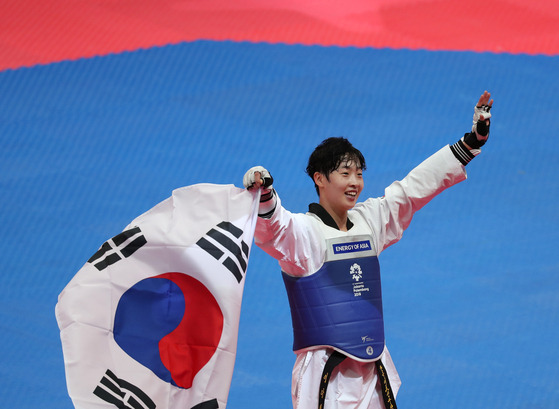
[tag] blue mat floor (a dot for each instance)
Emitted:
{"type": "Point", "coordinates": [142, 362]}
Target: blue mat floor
{"type": "Point", "coordinates": [470, 292]}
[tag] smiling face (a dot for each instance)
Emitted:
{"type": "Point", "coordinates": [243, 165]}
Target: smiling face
{"type": "Point", "coordinates": [340, 189]}
{"type": "Point", "coordinates": [336, 167]}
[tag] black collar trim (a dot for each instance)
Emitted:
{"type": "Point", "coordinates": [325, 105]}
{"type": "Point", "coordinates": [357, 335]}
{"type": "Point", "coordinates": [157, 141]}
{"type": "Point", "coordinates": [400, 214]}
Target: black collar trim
{"type": "Point", "coordinates": [323, 215]}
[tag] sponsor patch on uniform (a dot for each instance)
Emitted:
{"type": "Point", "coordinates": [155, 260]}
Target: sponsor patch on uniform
{"type": "Point", "coordinates": [351, 247]}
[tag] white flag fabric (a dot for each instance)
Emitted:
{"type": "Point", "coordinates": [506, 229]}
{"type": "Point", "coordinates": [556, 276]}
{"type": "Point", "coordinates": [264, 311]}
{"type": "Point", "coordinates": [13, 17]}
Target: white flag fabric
{"type": "Point", "coordinates": [151, 320]}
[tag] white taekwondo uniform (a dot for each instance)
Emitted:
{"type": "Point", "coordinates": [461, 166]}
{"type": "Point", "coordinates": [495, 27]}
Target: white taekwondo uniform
{"type": "Point", "coordinates": [298, 242]}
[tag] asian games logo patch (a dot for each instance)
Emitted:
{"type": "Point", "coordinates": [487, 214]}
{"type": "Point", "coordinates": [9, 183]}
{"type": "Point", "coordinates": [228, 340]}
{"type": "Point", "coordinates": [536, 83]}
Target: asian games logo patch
{"type": "Point", "coordinates": [355, 271]}
{"type": "Point", "coordinates": [358, 286]}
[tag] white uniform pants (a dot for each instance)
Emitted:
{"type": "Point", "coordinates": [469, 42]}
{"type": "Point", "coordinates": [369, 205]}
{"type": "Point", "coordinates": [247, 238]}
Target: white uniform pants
{"type": "Point", "coordinates": [353, 384]}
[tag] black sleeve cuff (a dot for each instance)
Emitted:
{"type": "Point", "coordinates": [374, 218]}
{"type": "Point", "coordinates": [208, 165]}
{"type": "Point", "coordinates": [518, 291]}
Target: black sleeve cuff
{"type": "Point", "coordinates": [462, 153]}
{"type": "Point", "coordinates": [268, 202]}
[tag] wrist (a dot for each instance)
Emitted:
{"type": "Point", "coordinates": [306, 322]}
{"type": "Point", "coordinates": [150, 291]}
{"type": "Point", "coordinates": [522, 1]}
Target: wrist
{"type": "Point", "coordinates": [268, 202]}
{"type": "Point", "coordinates": [462, 152]}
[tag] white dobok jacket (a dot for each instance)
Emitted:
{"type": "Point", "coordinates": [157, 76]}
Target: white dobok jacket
{"type": "Point", "coordinates": [298, 242]}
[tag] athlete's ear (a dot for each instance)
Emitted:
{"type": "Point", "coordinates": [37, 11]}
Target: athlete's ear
{"type": "Point", "coordinates": [319, 179]}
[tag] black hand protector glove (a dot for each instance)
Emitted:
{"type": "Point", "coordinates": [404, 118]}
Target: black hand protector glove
{"type": "Point", "coordinates": [480, 128]}
{"type": "Point", "coordinates": [248, 179]}
{"type": "Point", "coordinates": [268, 198]}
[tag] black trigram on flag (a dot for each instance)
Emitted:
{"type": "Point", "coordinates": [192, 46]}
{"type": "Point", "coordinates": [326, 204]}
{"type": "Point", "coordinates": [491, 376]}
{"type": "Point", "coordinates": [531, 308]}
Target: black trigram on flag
{"type": "Point", "coordinates": [222, 242]}
{"type": "Point", "coordinates": [209, 404]}
{"type": "Point", "coordinates": [122, 245]}
{"type": "Point", "coordinates": [122, 394]}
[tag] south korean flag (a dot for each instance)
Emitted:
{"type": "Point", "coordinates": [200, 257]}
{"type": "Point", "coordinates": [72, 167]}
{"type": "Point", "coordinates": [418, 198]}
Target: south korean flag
{"type": "Point", "coordinates": [151, 320]}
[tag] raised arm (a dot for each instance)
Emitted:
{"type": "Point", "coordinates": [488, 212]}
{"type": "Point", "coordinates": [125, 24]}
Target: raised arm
{"type": "Point", "coordinates": [392, 214]}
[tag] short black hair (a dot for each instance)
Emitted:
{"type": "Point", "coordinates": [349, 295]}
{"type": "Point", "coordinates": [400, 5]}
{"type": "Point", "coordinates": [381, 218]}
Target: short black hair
{"type": "Point", "coordinates": [329, 155]}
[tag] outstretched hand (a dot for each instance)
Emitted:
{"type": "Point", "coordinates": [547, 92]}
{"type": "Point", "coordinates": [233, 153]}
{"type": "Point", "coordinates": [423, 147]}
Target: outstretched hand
{"type": "Point", "coordinates": [481, 122]}
{"type": "Point", "coordinates": [484, 101]}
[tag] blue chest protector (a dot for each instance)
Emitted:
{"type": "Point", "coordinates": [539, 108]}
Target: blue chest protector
{"type": "Point", "coordinates": [341, 304]}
